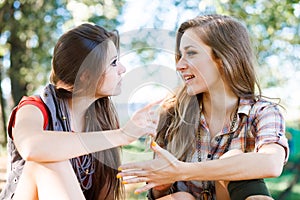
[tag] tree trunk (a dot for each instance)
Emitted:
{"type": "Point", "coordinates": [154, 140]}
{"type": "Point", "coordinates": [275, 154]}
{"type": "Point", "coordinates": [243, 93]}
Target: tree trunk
{"type": "Point", "coordinates": [3, 106]}
{"type": "Point", "coordinates": [18, 49]}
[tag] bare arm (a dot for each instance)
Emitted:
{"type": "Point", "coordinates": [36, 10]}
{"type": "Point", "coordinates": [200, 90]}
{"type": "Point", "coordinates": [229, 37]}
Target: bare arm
{"type": "Point", "coordinates": [267, 162]}
{"type": "Point", "coordinates": [36, 144]}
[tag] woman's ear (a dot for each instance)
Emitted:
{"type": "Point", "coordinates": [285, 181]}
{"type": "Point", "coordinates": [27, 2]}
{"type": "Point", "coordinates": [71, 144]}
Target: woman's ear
{"type": "Point", "coordinates": [217, 60]}
{"type": "Point", "coordinates": [219, 63]}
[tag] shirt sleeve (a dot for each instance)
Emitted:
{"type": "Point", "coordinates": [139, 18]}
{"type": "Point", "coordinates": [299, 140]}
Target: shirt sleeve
{"type": "Point", "coordinates": [270, 128]}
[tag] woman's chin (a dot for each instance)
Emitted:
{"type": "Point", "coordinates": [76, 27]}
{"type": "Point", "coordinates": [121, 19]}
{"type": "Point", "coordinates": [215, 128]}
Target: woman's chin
{"type": "Point", "coordinates": [191, 92]}
{"type": "Point", "coordinates": [116, 92]}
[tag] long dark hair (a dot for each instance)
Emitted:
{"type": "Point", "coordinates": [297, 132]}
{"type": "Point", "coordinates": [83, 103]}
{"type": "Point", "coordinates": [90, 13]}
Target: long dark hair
{"type": "Point", "coordinates": [84, 50]}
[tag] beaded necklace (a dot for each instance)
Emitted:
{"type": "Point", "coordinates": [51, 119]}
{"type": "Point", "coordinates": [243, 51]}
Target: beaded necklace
{"type": "Point", "coordinates": [84, 166]}
{"type": "Point", "coordinates": [207, 186]}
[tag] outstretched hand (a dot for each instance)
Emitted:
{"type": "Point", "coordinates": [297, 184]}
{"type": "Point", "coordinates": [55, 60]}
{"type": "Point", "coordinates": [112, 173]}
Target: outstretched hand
{"type": "Point", "coordinates": [162, 170]}
{"type": "Point", "coordinates": [143, 122]}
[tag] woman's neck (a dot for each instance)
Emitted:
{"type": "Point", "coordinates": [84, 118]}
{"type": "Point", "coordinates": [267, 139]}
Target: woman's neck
{"type": "Point", "coordinates": [219, 103]}
{"type": "Point", "coordinates": [77, 108]}
{"type": "Point", "coordinates": [219, 110]}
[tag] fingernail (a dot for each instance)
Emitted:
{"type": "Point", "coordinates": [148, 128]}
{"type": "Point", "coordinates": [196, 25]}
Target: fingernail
{"type": "Point", "coordinates": [153, 144]}
{"type": "Point", "coordinates": [119, 176]}
{"type": "Point", "coordinates": [135, 192]}
{"type": "Point", "coordinates": [124, 182]}
{"type": "Point", "coordinates": [119, 169]}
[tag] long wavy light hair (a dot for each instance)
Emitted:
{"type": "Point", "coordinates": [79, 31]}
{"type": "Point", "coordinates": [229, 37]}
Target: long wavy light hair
{"type": "Point", "coordinates": [230, 42]}
{"type": "Point", "coordinates": [84, 50]}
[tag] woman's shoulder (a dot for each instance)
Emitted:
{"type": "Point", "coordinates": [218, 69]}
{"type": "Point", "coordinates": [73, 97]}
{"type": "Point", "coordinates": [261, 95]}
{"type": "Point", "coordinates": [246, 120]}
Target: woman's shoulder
{"type": "Point", "coordinates": [36, 101]}
{"type": "Point", "coordinates": [260, 102]}
{"type": "Point", "coordinates": [255, 106]}
{"type": "Point", "coordinates": [267, 102]}
{"type": "Point", "coordinates": [267, 106]}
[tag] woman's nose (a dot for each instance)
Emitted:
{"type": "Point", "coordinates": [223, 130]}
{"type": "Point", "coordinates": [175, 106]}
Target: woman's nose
{"type": "Point", "coordinates": [122, 68]}
{"type": "Point", "coordinates": [181, 65]}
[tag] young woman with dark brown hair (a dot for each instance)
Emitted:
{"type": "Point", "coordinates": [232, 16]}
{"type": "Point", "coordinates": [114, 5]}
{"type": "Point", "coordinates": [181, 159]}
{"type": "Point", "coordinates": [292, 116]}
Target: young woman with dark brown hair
{"type": "Point", "coordinates": [216, 128]}
{"type": "Point", "coordinates": [64, 144]}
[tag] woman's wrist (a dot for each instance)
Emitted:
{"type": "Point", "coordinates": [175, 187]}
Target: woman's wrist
{"type": "Point", "coordinates": [126, 138]}
{"type": "Point", "coordinates": [188, 171]}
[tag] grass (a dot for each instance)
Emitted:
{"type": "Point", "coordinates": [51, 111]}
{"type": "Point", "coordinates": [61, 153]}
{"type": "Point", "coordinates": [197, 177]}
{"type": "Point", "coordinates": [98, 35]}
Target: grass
{"type": "Point", "coordinates": [278, 185]}
{"type": "Point", "coordinates": [136, 152]}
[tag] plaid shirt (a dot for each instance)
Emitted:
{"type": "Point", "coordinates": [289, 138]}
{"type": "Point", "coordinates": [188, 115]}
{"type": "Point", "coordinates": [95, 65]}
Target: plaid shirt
{"type": "Point", "coordinates": [257, 124]}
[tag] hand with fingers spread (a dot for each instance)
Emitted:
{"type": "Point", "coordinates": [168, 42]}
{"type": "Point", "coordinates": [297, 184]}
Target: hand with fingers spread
{"type": "Point", "coordinates": [143, 122]}
{"type": "Point", "coordinates": [160, 172]}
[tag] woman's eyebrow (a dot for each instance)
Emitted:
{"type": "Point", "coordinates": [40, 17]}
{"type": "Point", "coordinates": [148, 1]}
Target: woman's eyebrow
{"type": "Point", "coordinates": [189, 46]}
{"type": "Point", "coordinates": [113, 58]}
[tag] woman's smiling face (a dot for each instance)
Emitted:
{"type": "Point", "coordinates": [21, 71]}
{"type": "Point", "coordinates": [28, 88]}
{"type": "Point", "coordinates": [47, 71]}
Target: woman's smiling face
{"type": "Point", "coordinates": [197, 67]}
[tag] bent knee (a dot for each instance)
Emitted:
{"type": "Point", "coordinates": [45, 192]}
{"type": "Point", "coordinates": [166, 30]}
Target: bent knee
{"type": "Point", "coordinates": [259, 197]}
{"type": "Point", "coordinates": [183, 195]}
{"type": "Point", "coordinates": [178, 196]}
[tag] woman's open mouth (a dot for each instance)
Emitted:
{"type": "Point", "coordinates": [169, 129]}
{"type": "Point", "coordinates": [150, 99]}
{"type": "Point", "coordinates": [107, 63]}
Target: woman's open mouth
{"type": "Point", "coordinates": [187, 78]}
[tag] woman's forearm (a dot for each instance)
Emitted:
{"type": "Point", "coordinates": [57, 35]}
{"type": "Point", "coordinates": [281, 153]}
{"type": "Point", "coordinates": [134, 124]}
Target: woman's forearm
{"type": "Point", "coordinates": [35, 144]}
{"type": "Point", "coordinates": [52, 146]}
{"type": "Point", "coordinates": [266, 163]}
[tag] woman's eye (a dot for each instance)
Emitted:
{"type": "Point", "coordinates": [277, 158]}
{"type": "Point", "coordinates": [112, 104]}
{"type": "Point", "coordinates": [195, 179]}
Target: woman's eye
{"type": "Point", "coordinates": [114, 63]}
{"type": "Point", "coordinates": [190, 53]}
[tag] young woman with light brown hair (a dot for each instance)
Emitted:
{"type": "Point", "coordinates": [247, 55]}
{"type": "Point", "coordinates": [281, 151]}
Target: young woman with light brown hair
{"type": "Point", "coordinates": [216, 128]}
{"type": "Point", "coordinates": [65, 143]}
